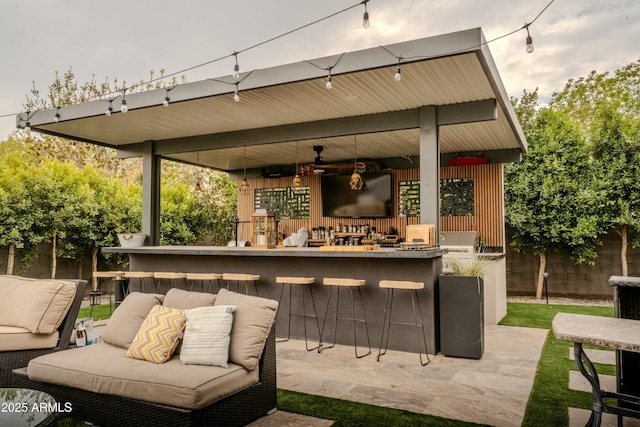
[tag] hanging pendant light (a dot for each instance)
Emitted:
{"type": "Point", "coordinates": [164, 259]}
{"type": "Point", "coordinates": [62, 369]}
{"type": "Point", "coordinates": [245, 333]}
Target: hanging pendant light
{"type": "Point", "coordinates": [244, 185]}
{"type": "Point", "coordinates": [356, 180]}
{"type": "Point", "coordinates": [296, 184]}
{"type": "Point", "coordinates": [198, 187]}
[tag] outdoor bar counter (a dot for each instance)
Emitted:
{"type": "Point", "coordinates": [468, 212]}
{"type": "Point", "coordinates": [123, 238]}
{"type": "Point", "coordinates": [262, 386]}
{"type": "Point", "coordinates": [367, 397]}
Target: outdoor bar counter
{"type": "Point", "coordinates": [372, 266]}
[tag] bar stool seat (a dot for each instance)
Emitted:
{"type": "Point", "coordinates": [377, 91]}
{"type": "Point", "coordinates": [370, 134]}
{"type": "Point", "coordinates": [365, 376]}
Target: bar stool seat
{"type": "Point", "coordinates": [96, 293]}
{"type": "Point", "coordinates": [204, 277]}
{"type": "Point", "coordinates": [241, 277]}
{"type": "Point", "coordinates": [172, 277]}
{"type": "Point", "coordinates": [351, 284]}
{"type": "Point", "coordinates": [302, 282]}
{"type": "Point", "coordinates": [141, 277]}
{"type": "Point", "coordinates": [413, 287]}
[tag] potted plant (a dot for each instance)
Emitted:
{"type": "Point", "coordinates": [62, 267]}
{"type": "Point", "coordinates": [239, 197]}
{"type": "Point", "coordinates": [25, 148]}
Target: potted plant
{"type": "Point", "coordinates": [461, 307]}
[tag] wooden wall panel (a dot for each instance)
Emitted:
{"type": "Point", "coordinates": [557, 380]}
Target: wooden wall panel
{"type": "Point", "coordinates": [488, 202]}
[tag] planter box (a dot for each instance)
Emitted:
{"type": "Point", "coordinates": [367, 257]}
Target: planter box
{"type": "Point", "coordinates": [131, 240]}
{"type": "Point", "coordinates": [461, 316]}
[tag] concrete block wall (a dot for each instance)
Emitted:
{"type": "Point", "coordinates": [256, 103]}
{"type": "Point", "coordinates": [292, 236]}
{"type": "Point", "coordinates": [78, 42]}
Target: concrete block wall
{"type": "Point", "coordinates": [567, 279]}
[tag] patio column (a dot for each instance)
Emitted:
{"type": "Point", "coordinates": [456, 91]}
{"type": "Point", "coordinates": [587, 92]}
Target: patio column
{"type": "Point", "coordinates": [429, 169]}
{"type": "Point", "coordinates": [150, 193]}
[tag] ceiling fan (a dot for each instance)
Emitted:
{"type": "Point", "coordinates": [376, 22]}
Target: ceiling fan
{"type": "Point", "coordinates": [319, 167]}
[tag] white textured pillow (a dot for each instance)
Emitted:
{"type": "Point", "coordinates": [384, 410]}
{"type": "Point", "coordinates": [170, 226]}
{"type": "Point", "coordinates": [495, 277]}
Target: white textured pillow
{"type": "Point", "coordinates": [207, 336]}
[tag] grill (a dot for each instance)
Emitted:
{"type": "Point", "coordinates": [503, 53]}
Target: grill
{"type": "Point", "coordinates": [459, 245]}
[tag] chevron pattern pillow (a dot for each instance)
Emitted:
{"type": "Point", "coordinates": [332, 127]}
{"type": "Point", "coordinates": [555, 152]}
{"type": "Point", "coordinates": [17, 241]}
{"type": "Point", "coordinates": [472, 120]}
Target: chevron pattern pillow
{"type": "Point", "coordinates": [159, 334]}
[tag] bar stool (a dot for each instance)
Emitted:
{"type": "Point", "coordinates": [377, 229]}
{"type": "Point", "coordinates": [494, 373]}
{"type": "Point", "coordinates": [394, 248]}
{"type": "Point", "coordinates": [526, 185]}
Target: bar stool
{"type": "Point", "coordinates": [141, 277]}
{"type": "Point", "coordinates": [351, 284]}
{"type": "Point", "coordinates": [204, 277]}
{"type": "Point", "coordinates": [172, 277]}
{"type": "Point", "coordinates": [240, 277]}
{"type": "Point", "coordinates": [96, 294]}
{"type": "Point", "coordinates": [303, 282]}
{"type": "Point", "coordinates": [391, 286]}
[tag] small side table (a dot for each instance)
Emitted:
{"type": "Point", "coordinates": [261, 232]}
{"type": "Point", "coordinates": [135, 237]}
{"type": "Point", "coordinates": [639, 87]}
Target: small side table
{"type": "Point", "coordinates": [615, 333]}
{"type": "Point", "coordinates": [25, 407]}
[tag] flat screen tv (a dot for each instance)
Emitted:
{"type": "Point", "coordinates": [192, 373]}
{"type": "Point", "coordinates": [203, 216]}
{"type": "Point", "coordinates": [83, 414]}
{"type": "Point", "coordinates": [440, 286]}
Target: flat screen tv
{"type": "Point", "coordinates": [372, 201]}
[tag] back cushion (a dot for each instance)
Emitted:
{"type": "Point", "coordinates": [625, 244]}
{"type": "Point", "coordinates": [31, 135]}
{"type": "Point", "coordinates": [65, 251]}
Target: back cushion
{"type": "Point", "coordinates": [126, 320]}
{"type": "Point", "coordinates": [184, 300]}
{"type": "Point", "coordinates": [38, 305]}
{"type": "Point", "coordinates": [253, 318]}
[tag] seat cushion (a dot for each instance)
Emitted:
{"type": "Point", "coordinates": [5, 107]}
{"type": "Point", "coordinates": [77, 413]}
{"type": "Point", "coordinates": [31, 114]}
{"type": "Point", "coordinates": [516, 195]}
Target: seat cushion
{"type": "Point", "coordinates": [158, 335]}
{"type": "Point", "coordinates": [252, 321]}
{"type": "Point", "coordinates": [38, 305]}
{"type": "Point", "coordinates": [126, 320]}
{"type": "Point", "coordinates": [13, 338]}
{"type": "Point", "coordinates": [103, 368]}
{"type": "Point", "coordinates": [206, 337]}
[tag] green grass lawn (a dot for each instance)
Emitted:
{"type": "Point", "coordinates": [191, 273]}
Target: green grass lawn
{"type": "Point", "coordinates": [548, 403]}
{"type": "Point", "coordinates": [551, 397]}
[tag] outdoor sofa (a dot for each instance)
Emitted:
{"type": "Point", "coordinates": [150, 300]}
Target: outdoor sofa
{"type": "Point", "coordinates": [37, 317]}
{"type": "Point", "coordinates": [107, 386]}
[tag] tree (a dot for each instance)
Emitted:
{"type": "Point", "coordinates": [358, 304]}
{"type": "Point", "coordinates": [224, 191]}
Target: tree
{"type": "Point", "coordinates": [616, 147]}
{"type": "Point", "coordinates": [607, 107]}
{"type": "Point", "coordinates": [550, 199]}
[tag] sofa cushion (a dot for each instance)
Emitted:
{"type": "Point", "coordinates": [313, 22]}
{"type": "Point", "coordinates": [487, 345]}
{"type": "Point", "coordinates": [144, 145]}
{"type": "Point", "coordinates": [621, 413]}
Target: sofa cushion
{"type": "Point", "coordinates": [252, 323]}
{"type": "Point", "coordinates": [126, 320]}
{"type": "Point", "coordinates": [178, 298]}
{"type": "Point", "coordinates": [103, 368]}
{"type": "Point", "coordinates": [159, 334]}
{"type": "Point", "coordinates": [38, 305]}
{"type": "Point", "coordinates": [13, 338]}
{"type": "Point", "coordinates": [206, 336]}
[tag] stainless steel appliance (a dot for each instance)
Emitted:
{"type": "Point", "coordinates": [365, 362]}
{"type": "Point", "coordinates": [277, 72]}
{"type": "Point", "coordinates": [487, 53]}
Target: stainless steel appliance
{"type": "Point", "coordinates": [459, 245]}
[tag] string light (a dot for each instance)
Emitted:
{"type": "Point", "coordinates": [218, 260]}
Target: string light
{"type": "Point", "coordinates": [198, 187]}
{"type": "Point", "coordinates": [365, 16]}
{"type": "Point", "coordinates": [27, 125]}
{"type": "Point", "coordinates": [123, 106]}
{"type": "Point", "coordinates": [236, 68]}
{"type": "Point", "coordinates": [167, 100]}
{"type": "Point", "coordinates": [236, 94]}
{"type": "Point", "coordinates": [529, 40]}
{"type": "Point", "coordinates": [329, 85]}
{"type": "Point", "coordinates": [109, 109]}
{"type": "Point", "coordinates": [398, 76]}
{"type": "Point", "coordinates": [56, 118]}
{"type": "Point", "coordinates": [356, 180]}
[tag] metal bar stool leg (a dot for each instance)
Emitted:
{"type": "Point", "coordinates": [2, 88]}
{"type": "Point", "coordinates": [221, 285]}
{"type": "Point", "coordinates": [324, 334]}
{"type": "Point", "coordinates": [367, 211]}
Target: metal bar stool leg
{"type": "Point", "coordinates": [385, 325]}
{"type": "Point", "coordinates": [289, 314]}
{"type": "Point", "coordinates": [364, 320]}
{"type": "Point", "coordinates": [415, 303]}
{"type": "Point", "coordinates": [335, 320]}
{"type": "Point", "coordinates": [304, 316]}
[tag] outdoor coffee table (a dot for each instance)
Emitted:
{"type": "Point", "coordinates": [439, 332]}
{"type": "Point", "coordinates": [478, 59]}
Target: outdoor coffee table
{"type": "Point", "coordinates": [24, 407]}
{"type": "Point", "coordinates": [615, 333]}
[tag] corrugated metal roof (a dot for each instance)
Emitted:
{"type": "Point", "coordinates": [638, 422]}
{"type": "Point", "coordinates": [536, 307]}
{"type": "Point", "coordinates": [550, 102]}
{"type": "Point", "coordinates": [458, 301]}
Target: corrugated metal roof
{"type": "Point", "coordinates": [363, 85]}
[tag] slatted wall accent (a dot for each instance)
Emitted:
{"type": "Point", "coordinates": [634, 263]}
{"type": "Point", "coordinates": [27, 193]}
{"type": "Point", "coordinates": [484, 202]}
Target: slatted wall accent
{"type": "Point", "coordinates": [488, 218]}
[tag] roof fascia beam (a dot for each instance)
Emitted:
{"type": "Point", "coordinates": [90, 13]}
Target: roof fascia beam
{"type": "Point", "coordinates": [381, 122]}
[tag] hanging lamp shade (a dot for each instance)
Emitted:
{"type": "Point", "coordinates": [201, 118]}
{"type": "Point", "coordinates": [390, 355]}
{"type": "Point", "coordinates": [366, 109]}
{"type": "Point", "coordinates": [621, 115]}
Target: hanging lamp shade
{"type": "Point", "coordinates": [356, 181]}
{"type": "Point", "coordinates": [244, 187]}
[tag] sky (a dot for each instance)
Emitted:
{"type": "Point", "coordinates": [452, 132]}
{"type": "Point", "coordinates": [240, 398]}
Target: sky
{"type": "Point", "coordinates": [126, 40]}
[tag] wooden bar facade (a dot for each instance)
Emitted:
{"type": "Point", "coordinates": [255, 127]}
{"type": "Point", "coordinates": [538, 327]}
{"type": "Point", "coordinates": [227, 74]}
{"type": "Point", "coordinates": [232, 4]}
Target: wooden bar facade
{"type": "Point", "coordinates": [487, 219]}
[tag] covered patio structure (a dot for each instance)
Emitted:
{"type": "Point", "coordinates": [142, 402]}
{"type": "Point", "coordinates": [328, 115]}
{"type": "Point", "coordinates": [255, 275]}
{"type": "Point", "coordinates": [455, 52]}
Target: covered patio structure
{"type": "Point", "coordinates": [449, 103]}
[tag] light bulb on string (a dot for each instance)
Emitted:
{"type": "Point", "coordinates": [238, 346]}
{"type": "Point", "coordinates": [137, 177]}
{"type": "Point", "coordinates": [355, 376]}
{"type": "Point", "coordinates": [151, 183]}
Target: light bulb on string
{"type": "Point", "coordinates": [529, 40]}
{"type": "Point", "coordinates": [236, 94]}
{"type": "Point", "coordinates": [398, 76]}
{"type": "Point", "coordinates": [329, 84]}
{"type": "Point", "coordinates": [236, 68]}
{"type": "Point", "coordinates": [166, 101]}
{"type": "Point", "coordinates": [123, 105]}
{"type": "Point", "coordinates": [56, 118]}
{"type": "Point", "coordinates": [27, 128]}
{"type": "Point", "coordinates": [365, 16]}
{"type": "Point", "coordinates": [109, 108]}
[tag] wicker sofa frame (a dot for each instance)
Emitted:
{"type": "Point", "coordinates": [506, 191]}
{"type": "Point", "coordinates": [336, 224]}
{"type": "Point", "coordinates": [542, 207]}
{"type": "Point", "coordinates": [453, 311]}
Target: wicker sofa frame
{"type": "Point", "coordinates": [10, 360]}
{"type": "Point", "coordinates": [105, 410]}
